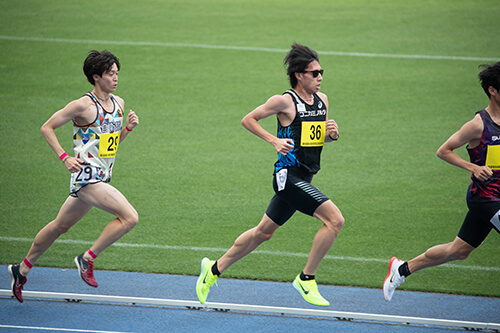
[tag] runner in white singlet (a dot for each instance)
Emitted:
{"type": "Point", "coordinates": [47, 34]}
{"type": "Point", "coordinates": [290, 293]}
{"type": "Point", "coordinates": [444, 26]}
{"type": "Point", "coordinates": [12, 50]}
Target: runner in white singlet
{"type": "Point", "coordinates": [98, 129]}
{"type": "Point", "coordinates": [96, 145]}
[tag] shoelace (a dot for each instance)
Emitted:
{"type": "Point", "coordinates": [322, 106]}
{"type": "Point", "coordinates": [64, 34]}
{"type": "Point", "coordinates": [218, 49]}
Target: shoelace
{"type": "Point", "coordinates": [20, 279]}
{"type": "Point", "coordinates": [20, 284]}
{"type": "Point", "coordinates": [314, 289]}
{"type": "Point", "coordinates": [398, 281]}
{"type": "Point", "coordinates": [311, 285]}
{"type": "Point", "coordinates": [210, 282]}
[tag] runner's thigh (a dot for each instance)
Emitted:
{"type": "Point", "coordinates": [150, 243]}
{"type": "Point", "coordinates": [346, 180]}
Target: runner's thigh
{"type": "Point", "coordinates": [106, 197]}
{"type": "Point", "coordinates": [72, 211]}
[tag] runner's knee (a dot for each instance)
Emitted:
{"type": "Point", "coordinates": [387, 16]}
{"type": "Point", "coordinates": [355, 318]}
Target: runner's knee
{"type": "Point", "coordinates": [462, 256]}
{"type": "Point", "coordinates": [461, 253]}
{"type": "Point", "coordinates": [131, 220]}
{"type": "Point", "coordinates": [262, 236]}
{"type": "Point", "coordinates": [330, 215]}
{"type": "Point", "coordinates": [335, 222]}
{"type": "Point", "coordinates": [59, 228]}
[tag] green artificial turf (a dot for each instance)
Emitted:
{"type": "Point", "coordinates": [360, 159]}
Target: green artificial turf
{"type": "Point", "coordinates": [191, 70]}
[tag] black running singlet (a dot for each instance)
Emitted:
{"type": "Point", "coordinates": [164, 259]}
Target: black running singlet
{"type": "Point", "coordinates": [486, 153]}
{"type": "Point", "coordinates": [307, 131]}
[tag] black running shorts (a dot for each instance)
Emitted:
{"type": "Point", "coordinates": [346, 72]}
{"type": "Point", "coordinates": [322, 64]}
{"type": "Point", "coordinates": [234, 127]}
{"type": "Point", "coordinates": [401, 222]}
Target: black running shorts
{"type": "Point", "coordinates": [477, 223]}
{"type": "Point", "coordinates": [297, 194]}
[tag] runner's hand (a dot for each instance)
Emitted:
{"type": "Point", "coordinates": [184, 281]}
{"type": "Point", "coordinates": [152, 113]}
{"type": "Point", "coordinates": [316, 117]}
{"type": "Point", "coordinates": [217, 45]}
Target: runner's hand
{"type": "Point", "coordinates": [73, 164]}
{"type": "Point", "coordinates": [332, 129]}
{"type": "Point", "coordinates": [132, 120]}
{"type": "Point", "coordinates": [482, 172]}
{"type": "Point", "coordinates": [283, 146]}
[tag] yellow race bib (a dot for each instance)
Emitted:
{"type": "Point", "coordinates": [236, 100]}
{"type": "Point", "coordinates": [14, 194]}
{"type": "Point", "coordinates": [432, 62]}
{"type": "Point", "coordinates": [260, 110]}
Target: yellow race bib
{"type": "Point", "coordinates": [313, 133]}
{"type": "Point", "coordinates": [108, 144]}
{"type": "Point", "coordinates": [493, 157]}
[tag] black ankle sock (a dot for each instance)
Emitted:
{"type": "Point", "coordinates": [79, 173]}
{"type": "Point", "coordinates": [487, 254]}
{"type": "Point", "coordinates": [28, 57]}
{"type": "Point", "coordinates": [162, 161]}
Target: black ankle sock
{"type": "Point", "coordinates": [215, 270]}
{"type": "Point", "coordinates": [305, 277]}
{"type": "Point", "coordinates": [404, 270]}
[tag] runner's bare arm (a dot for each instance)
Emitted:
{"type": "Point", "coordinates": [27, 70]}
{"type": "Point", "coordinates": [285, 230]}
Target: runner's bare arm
{"type": "Point", "coordinates": [58, 119]}
{"type": "Point", "coordinates": [131, 121]}
{"type": "Point", "coordinates": [275, 105]}
{"type": "Point", "coordinates": [470, 133]}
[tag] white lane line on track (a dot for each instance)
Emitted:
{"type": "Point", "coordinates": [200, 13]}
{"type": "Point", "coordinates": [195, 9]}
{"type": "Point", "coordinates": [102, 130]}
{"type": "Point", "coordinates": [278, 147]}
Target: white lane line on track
{"type": "Point", "coordinates": [263, 252]}
{"type": "Point", "coordinates": [259, 309]}
{"type": "Point", "coordinates": [53, 329]}
{"type": "Point", "coordinates": [245, 48]}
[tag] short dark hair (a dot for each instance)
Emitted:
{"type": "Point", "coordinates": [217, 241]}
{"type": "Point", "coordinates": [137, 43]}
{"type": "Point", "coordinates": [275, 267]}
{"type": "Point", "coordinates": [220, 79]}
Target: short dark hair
{"type": "Point", "coordinates": [98, 63]}
{"type": "Point", "coordinates": [490, 77]}
{"type": "Point", "coordinates": [297, 59]}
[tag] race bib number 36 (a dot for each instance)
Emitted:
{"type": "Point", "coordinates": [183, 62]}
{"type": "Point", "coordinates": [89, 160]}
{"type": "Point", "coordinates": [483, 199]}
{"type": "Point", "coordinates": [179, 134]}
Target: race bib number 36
{"type": "Point", "coordinates": [108, 144]}
{"type": "Point", "coordinates": [313, 134]}
{"type": "Point", "coordinates": [493, 157]}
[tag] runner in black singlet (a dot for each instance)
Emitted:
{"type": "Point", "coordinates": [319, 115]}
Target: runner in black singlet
{"type": "Point", "coordinates": [303, 128]}
{"type": "Point", "coordinates": [300, 164]}
{"type": "Point", "coordinates": [482, 137]}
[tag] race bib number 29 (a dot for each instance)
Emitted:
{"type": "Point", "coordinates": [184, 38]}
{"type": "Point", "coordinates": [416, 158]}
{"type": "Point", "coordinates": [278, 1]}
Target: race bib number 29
{"type": "Point", "coordinates": [108, 144]}
{"type": "Point", "coordinates": [313, 134]}
{"type": "Point", "coordinates": [87, 174]}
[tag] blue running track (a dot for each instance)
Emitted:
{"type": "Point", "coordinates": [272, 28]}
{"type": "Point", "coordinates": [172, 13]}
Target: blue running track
{"type": "Point", "coordinates": [42, 315]}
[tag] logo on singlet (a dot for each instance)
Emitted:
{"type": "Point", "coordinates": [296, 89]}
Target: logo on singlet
{"type": "Point", "coordinates": [313, 113]}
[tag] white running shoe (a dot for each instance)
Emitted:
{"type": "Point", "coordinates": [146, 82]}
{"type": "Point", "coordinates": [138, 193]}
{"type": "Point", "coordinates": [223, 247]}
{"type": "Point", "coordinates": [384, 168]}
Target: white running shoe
{"type": "Point", "coordinates": [393, 279]}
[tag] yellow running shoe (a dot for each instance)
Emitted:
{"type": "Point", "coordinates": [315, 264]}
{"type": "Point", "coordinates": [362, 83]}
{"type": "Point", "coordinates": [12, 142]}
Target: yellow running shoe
{"type": "Point", "coordinates": [205, 280]}
{"type": "Point", "coordinates": [309, 290]}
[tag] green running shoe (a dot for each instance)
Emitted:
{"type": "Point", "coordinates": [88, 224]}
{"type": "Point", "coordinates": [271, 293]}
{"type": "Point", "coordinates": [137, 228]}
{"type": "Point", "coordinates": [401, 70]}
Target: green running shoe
{"type": "Point", "coordinates": [205, 280]}
{"type": "Point", "coordinates": [309, 290]}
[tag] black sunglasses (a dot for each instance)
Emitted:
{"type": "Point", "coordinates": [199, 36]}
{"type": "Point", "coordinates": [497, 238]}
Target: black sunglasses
{"type": "Point", "coordinates": [315, 73]}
